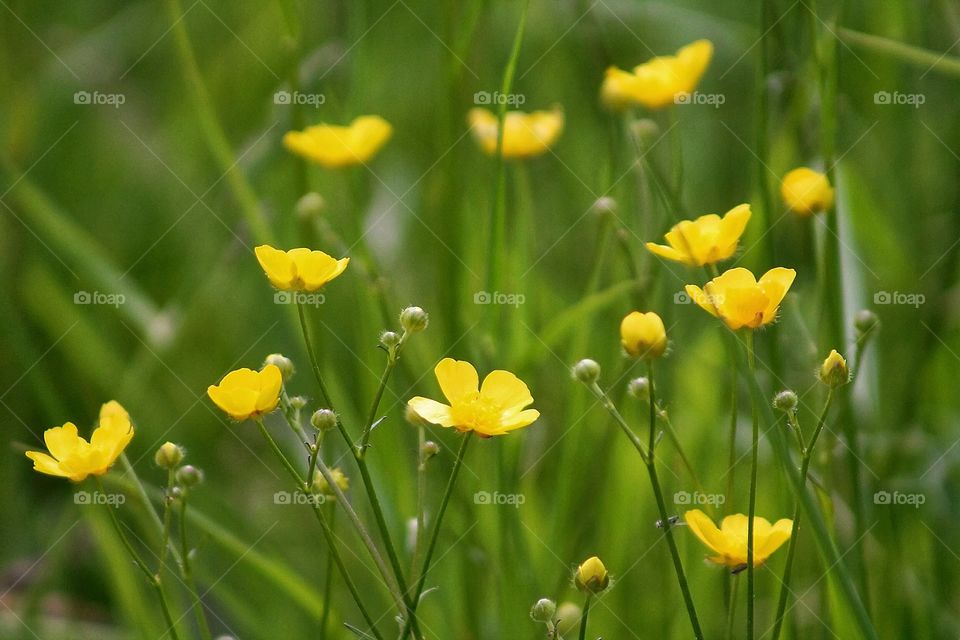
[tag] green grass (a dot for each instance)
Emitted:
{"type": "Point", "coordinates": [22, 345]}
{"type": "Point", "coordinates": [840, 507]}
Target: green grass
{"type": "Point", "coordinates": [162, 198]}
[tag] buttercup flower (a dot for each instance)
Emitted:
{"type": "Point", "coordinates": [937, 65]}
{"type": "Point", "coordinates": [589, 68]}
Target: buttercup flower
{"type": "Point", "coordinates": [245, 393]}
{"type": "Point", "coordinates": [299, 269]}
{"type": "Point", "coordinates": [73, 457]}
{"type": "Point", "coordinates": [740, 300]}
{"type": "Point", "coordinates": [706, 240]}
{"type": "Point", "coordinates": [806, 191]}
{"type": "Point", "coordinates": [524, 134]}
{"type": "Point", "coordinates": [496, 408]}
{"type": "Point", "coordinates": [592, 576]}
{"type": "Point", "coordinates": [834, 371]}
{"type": "Point", "coordinates": [658, 82]}
{"type": "Point", "coordinates": [729, 542]}
{"type": "Point", "coordinates": [336, 146]}
{"type": "Point", "coordinates": [643, 335]}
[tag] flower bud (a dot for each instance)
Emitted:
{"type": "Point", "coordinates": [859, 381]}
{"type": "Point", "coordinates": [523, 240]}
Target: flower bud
{"type": "Point", "coordinates": [643, 335]}
{"type": "Point", "coordinates": [389, 339]}
{"type": "Point", "coordinates": [168, 456]}
{"type": "Point", "coordinates": [865, 322]}
{"type": "Point", "coordinates": [298, 402]}
{"type": "Point", "coordinates": [786, 401]}
{"type": "Point", "coordinates": [639, 388]}
{"type": "Point", "coordinates": [321, 485]}
{"type": "Point", "coordinates": [568, 618]}
{"type": "Point", "coordinates": [592, 576]}
{"type": "Point", "coordinates": [833, 371]}
{"type": "Point", "coordinates": [604, 207]}
{"type": "Point", "coordinates": [323, 420]}
{"type": "Point", "coordinates": [429, 449]}
{"type": "Point", "coordinates": [806, 191]}
{"type": "Point", "coordinates": [281, 362]}
{"type": "Point", "coordinates": [189, 475]}
{"type": "Point", "coordinates": [414, 319]}
{"type": "Point", "coordinates": [543, 610]}
{"type": "Point", "coordinates": [310, 205]}
{"type": "Point", "coordinates": [586, 371]}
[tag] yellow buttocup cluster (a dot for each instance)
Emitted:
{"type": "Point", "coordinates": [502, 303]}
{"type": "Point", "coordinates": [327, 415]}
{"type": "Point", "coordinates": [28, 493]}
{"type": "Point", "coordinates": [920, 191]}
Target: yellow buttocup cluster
{"type": "Point", "coordinates": [658, 82]}
{"type": "Point", "coordinates": [524, 134]}
{"type": "Point", "coordinates": [335, 146]}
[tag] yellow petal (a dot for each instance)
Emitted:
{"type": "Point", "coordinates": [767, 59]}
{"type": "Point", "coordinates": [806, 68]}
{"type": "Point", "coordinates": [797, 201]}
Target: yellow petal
{"type": "Point", "coordinates": [775, 536]}
{"type": "Point", "coordinates": [431, 411]}
{"type": "Point", "coordinates": [704, 528]}
{"type": "Point", "coordinates": [702, 300]}
{"type": "Point", "coordinates": [238, 403]}
{"type": "Point", "coordinates": [505, 390]}
{"type": "Point", "coordinates": [316, 268]}
{"type": "Point", "coordinates": [269, 381]}
{"type": "Point", "coordinates": [731, 228]}
{"type": "Point", "coordinates": [518, 421]}
{"type": "Point", "coordinates": [278, 266]}
{"type": "Point", "coordinates": [458, 379]}
{"type": "Point", "coordinates": [62, 441]}
{"type": "Point", "coordinates": [45, 464]}
{"type": "Point", "coordinates": [775, 284]}
{"type": "Point", "coordinates": [669, 253]}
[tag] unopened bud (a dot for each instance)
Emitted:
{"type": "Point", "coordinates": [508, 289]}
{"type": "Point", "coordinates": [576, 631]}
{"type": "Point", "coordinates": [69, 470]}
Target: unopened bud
{"type": "Point", "coordinates": [786, 401]}
{"type": "Point", "coordinates": [310, 205]}
{"type": "Point", "coordinates": [389, 339]}
{"type": "Point", "coordinates": [298, 402]}
{"type": "Point", "coordinates": [414, 319]}
{"type": "Point", "coordinates": [189, 476]}
{"type": "Point", "coordinates": [323, 420]}
{"type": "Point", "coordinates": [639, 388]}
{"type": "Point", "coordinates": [834, 371]}
{"type": "Point", "coordinates": [604, 207]}
{"type": "Point", "coordinates": [865, 322]}
{"type": "Point", "coordinates": [429, 449]}
{"type": "Point", "coordinates": [543, 610]}
{"type": "Point", "coordinates": [586, 371]}
{"type": "Point", "coordinates": [592, 576]}
{"type": "Point", "coordinates": [281, 362]}
{"type": "Point", "coordinates": [568, 618]}
{"type": "Point", "coordinates": [321, 485]}
{"type": "Point", "coordinates": [168, 456]}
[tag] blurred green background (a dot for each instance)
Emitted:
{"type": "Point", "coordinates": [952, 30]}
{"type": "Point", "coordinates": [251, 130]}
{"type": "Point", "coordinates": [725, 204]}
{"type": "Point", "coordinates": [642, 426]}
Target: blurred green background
{"type": "Point", "coordinates": [143, 199]}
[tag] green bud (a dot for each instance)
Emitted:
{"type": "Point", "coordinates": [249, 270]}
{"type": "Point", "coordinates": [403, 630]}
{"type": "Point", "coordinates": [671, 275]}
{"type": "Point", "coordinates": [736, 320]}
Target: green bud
{"type": "Point", "coordinates": [429, 449]}
{"type": "Point", "coordinates": [786, 401]}
{"type": "Point", "coordinates": [414, 319]}
{"type": "Point", "coordinates": [310, 205]}
{"type": "Point", "coordinates": [323, 420]}
{"type": "Point", "coordinates": [639, 388]}
{"type": "Point", "coordinates": [168, 456]}
{"type": "Point", "coordinates": [389, 339]}
{"type": "Point", "coordinates": [543, 610]}
{"type": "Point", "coordinates": [298, 402]}
{"type": "Point", "coordinates": [188, 476]}
{"type": "Point", "coordinates": [568, 618]}
{"type": "Point", "coordinates": [865, 322]}
{"type": "Point", "coordinates": [586, 371]}
{"type": "Point", "coordinates": [281, 362]}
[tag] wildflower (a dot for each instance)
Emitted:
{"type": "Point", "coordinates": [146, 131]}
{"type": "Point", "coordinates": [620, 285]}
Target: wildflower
{"type": "Point", "coordinates": [73, 457]}
{"type": "Point", "coordinates": [740, 300]}
{"type": "Point", "coordinates": [334, 146]}
{"type": "Point", "coordinates": [245, 393]}
{"type": "Point", "coordinates": [706, 240]}
{"type": "Point", "coordinates": [168, 456]}
{"type": "Point", "coordinates": [543, 610]}
{"type": "Point", "coordinates": [592, 576]}
{"type": "Point", "coordinates": [834, 371]}
{"type": "Point", "coordinates": [493, 409]}
{"type": "Point", "coordinates": [643, 335]}
{"type": "Point", "coordinates": [658, 82]}
{"type": "Point", "coordinates": [786, 401]}
{"type": "Point", "coordinates": [729, 542]}
{"type": "Point", "coordinates": [299, 269]}
{"type": "Point", "coordinates": [806, 191]}
{"type": "Point", "coordinates": [414, 319]}
{"type": "Point", "coordinates": [586, 371]}
{"type": "Point", "coordinates": [324, 420]}
{"type": "Point", "coordinates": [524, 134]}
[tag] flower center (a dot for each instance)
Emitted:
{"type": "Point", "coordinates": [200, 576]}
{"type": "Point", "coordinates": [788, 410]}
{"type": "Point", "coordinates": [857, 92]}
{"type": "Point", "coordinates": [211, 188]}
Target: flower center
{"type": "Point", "coordinates": [476, 412]}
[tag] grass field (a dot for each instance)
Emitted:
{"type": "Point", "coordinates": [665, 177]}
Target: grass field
{"type": "Point", "coordinates": [144, 156]}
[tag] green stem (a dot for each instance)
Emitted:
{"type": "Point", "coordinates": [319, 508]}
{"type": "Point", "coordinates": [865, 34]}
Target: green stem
{"type": "Point", "coordinates": [929, 60]}
{"type": "Point", "coordinates": [372, 416]}
{"type": "Point", "coordinates": [187, 570]}
{"type": "Point", "coordinates": [583, 618]}
{"type": "Point", "coordinates": [435, 531]}
{"type": "Point", "coordinates": [145, 500]}
{"type": "Point", "coordinates": [752, 509]}
{"type": "Point", "coordinates": [732, 607]}
{"type": "Point", "coordinates": [328, 583]}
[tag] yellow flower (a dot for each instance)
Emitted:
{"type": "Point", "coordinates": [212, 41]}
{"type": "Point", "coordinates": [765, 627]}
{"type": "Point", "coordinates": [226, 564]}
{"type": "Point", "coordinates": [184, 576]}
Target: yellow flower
{"type": "Point", "coordinates": [740, 300]}
{"type": "Point", "coordinates": [806, 191]}
{"type": "Point", "coordinates": [834, 371]}
{"type": "Point", "coordinates": [245, 393]}
{"type": "Point", "coordinates": [496, 408]}
{"type": "Point", "coordinates": [658, 82]}
{"type": "Point", "coordinates": [592, 576]}
{"type": "Point", "coordinates": [643, 335]}
{"type": "Point", "coordinates": [729, 542]}
{"type": "Point", "coordinates": [299, 269]}
{"type": "Point", "coordinates": [335, 146]}
{"type": "Point", "coordinates": [706, 240]}
{"type": "Point", "coordinates": [524, 134]}
{"type": "Point", "coordinates": [73, 457]}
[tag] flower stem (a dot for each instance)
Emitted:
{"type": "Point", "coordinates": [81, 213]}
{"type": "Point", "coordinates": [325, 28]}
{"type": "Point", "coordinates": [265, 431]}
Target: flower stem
{"type": "Point", "coordinates": [186, 568]}
{"type": "Point", "coordinates": [732, 607]}
{"type": "Point", "coordinates": [328, 583]}
{"type": "Point", "coordinates": [752, 509]}
{"type": "Point", "coordinates": [435, 532]}
{"type": "Point", "coordinates": [806, 455]}
{"type": "Point", "coordinates": [583, 618]}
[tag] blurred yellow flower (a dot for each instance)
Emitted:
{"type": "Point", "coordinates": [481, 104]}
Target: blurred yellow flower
{"type": "Point", "coordinates": [706, 240]}
{"type": "Point", "coordinates": [246, 393]}
{"type": "Point", "coordinates": [336, 146]}
{"type": "Point", "coordinates": [729, 542]}
{"type": "Point", "coordinates": [740, 300]}
{"type": "Point", "coordinates": [643, 335]}
{"type": "Point", "coordinates": [524, 134]}
{"type": "Point", "coordinates": [73, 457]}
{"type": "Point", "coordinates": [494, 409]}
{"type": "Point", "coordinates": [659, 82]}
{"type": "Point", "coordinates": [806, 191]}
{"type": "Point", "coordinates": [299, 269]}
{"type": "Point", "coordinates": [592, 576]}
